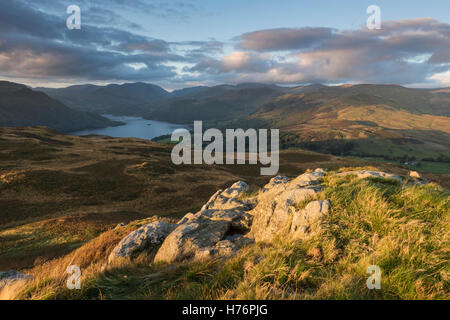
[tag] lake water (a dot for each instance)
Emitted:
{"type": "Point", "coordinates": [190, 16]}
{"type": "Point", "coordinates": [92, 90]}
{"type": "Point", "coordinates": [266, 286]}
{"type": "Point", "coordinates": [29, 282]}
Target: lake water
{"type": "Point", "coordinates": [134, 127]}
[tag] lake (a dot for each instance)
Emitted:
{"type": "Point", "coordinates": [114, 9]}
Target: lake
{"type": "Point", "coordinates": [133, 127]}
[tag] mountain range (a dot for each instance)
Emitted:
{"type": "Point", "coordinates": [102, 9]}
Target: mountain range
{"type": "Point", "coordinates": [225, 102]}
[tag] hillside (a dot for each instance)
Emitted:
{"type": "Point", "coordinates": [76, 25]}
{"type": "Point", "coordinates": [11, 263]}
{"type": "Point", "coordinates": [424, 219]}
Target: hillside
{"type": "Point", "coordinates": [125, 99]}
{"type": "Point", "coordinates": [442, 91]}
{"type": "Point", "coordinates": [68, 188]}
{"type": "Point", "coordinates": [412, 100]}
{"type": "Point", "coordinates": [214, 104]}
{"type": "Point", "coordinates": [382, 122]}
{"type": "Point", "coordinates": [21, 106]}
{"type": "Point", "coordinates": [62, 198]}
{"type": "Point", "coordinates": [310, 237]}
{"type": "Point", "coordinates": [65, 190]}
{"type": "Point", "coordinates": [227, 102]}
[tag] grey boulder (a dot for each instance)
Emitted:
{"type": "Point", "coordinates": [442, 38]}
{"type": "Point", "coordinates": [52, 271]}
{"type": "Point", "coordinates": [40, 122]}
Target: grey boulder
{"type": "Point", "coordinates": [190, 239]}
{"type": "Point", "coordinates": [228, 198]}
{"type": "Point", "coordinates": [273, 213]}
{"type": "Point", "coordinates": [151, 234]}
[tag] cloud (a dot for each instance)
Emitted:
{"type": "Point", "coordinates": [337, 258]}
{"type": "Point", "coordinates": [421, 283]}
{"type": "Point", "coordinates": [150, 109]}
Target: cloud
{"type": "Point", "coordinates": [394, 54]}
{"type": "Point", "coordinates": [238, 61]}
{"type": "Point", "coordinates": [200, 48]}
{"type": "Point", "coordinates": [441, 55]}
{"type": "Point", "coordinates": [284, 39]}
{"type": "Point", "coordinates": [442, 78]}
{"type": "Point", "coordinates": [34, 44]}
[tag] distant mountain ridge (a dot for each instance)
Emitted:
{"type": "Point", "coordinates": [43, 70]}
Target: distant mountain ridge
{"type": "Point", "coordinates": [376, 120]}
{"type": "Point", "coordinates": [218, 103]}
{"type": "Point", "coordinates": [21, 106]}
{"type": "Point", "coordinates": [125, 99]}
{"type": "Point", "coordinates": [224, 102]}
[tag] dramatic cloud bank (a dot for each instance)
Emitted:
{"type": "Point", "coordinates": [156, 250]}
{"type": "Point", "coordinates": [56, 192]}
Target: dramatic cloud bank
{"type": "Point", "coordinates": [404, 52]}
{"type": "Point", "coordinates": [36, 45]}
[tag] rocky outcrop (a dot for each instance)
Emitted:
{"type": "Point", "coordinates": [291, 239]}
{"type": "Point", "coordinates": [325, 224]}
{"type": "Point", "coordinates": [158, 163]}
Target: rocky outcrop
{"type": "Point", "coordinates": [228, 198]}
{"type": "Point", "coordinates": [274, 182]}
{"type": "Point", "coordinates": [284, 208]}
{"type": "Point", "coordinates": [277, 205]}
{"type": "Point", "coordinates": [202, 235]}
{"type": "Point", "coordinates": [224, 222]}
{"type": "Point", "coordinates": [150, 235]}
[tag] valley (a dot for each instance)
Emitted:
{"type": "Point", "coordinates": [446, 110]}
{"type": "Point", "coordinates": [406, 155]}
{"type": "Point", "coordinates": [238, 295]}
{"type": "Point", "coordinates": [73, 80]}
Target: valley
{"type": "Point", "coordinates": [374, 122]}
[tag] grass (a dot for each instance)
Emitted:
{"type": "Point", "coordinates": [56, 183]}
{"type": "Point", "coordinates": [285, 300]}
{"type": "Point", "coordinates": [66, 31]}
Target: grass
{"type": "Point", "coordinates": [248, 194]}
{"type": "Point", "coordinates": [62, 196]}
{"type": "Point", "coordinates": [118, 180]}
{"type": "Point", "coordinates": [403, 229]}
{"type": "Point", "coordinates": [34, 243]}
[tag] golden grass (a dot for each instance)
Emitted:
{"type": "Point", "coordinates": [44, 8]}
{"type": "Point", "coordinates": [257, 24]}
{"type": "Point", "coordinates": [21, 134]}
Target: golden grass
{"type": "Point", "coordinates": [388, 117]}
{"type": "Point", "coordinates": [91, 184]}
{"type": "Point", "coordinates": [404, 229]}
{"type": "Point", "coordinates": [85, 186]}
{"type": "Point", "coordinates": [50, 277]}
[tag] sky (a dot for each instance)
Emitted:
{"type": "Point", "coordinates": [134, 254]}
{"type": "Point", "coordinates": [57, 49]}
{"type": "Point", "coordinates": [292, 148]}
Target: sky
{"type": "Point", "coordinates": [183, 43]}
